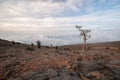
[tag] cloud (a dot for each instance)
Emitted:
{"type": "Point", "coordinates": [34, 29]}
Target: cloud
{"type": "Point", "coordinates": [107, 18]}
{"type": "Point", "coordinates": [45, 8]}
{"type": "Point", "coordinates": [27, 38]}
{"type": "Point", "coordinates": [31, 20]}
{"type": "Point", "coordinates": [37, 8]}
{"type": "Point", "coordinates": [61, 37]}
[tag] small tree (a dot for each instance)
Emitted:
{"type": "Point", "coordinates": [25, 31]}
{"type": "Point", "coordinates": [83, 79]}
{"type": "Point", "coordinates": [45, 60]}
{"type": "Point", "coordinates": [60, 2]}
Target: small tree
{"type": "Point", "coordinates": [32, 44]}
{"type": "Point", "coordinates": [51, 45]}
{"type": "Point", "coordinates": [84, 34]}
{"type": "Point", "coordinates": [39, 44]}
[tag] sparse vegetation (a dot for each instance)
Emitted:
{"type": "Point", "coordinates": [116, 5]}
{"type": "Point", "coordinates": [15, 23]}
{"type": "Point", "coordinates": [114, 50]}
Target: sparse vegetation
{"type": "Point", "coordinates": [51, 45]}
{"type": "Point", "coordinates": [38, 44]}
{"type": "Point", "coordinates": [84, 34]}
{"type": "Point", "coordinates": [52, 63]}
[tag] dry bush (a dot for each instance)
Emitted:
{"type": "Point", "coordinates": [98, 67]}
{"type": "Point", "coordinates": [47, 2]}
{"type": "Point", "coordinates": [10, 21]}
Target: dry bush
{"type": "Point", "coordinates": [13, 42]}
{"type": "Point", "coordinates": [56, 47]}
{"type": "Point", "coordinates": [38, 44]}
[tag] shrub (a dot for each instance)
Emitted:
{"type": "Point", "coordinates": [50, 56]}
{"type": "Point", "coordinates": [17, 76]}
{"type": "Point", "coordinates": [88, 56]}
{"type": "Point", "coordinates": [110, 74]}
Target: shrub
{"type": "Point", "coordinates": [30, 49]}
{"type": "Point", "coordinates": [56, 47]}
{"type": "Point", "coordinates": [32, 44]}
{"type": "Point", "coordinates": [13, 42]}
{"type": "Point", "coordinates": [51, 45]}
{"type": "Point", "coordinates": [38, 44]}
{"type": "Point", "coordinates": [18, 43]}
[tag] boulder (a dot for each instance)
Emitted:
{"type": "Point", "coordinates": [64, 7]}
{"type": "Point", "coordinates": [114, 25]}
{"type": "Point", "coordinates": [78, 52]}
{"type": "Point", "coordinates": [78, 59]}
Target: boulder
{"type": "Point", "coordinates": [52, 74]}
{"type": "Point", "coordinates": [93, 75]}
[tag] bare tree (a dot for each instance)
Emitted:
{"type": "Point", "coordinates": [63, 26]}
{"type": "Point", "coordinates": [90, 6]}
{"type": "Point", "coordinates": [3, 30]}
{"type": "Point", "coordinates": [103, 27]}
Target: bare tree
{"type": "Point", "coordinates": [84, 34]}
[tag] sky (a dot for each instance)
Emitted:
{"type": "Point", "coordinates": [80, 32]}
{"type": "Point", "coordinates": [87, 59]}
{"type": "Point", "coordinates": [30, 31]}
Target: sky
{"type": "Point", "coordinates": [53, 21]}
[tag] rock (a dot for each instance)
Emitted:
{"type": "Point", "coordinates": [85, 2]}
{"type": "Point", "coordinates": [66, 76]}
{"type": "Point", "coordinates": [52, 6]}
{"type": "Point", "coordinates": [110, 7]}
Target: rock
{"type": "Point", "coordinates": [52, 73]}
{"type": "Point", "coordinates": [40, 78]}
{"type": "Point", "coordinates": [69, 77]}
{"type": "Point", "coordinates": [28, 75]}
{"type": "Point", "coordinates": [115, 62]}
{"type": "Point", "coordinates": [18, 78]}
{"type": "Point", "coordinates": [63, 71]}
{"type": "Point", "coordinates": [81, 66]}
{"type": "Point", "coordinates": [55, 78]}
{"type": "Point", "coordinates": [36, 76]}
{"type": "Point", "coordinates": [93, 75]}
{"type": "Point", "coordinates": [115, 72]}
{"type": "Point", "coordinates": [66, 77]}
{"type": "Point", "coordinates": [95, 66]}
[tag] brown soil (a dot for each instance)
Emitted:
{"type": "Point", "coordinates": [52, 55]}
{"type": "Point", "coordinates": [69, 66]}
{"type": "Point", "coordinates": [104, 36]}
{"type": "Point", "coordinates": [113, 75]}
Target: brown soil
{"type": "Point", "coordinates": [17, 59]}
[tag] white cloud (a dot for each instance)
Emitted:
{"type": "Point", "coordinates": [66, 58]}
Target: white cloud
{"type": "Point", "coordinates": [63, 37]}
{"type": "Point", "coordinates": [110, 17]}
{"type": "Point", "coordinates": [39, 8]}
{"type": "Point", "coordinates": [44, 18]}
{"type": "Point", "coordinates": [24, 13]}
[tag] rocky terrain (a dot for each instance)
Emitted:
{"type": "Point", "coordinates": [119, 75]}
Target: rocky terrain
{"type": "Point", "coordinates": [100, 61]}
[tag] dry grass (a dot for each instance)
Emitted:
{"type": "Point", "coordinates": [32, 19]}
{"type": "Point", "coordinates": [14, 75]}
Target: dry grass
{"type": "Point", "coordinates": [46, 57]}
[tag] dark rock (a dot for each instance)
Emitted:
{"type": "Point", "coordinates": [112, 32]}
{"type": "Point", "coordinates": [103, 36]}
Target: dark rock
{"type": "Point", "coordinates": [29, 75]}
{"type": "Point", "coordinates": [63, 71]}
{"type": "Point", "coordinates": [115, 62]}
{"type": "Point", "coordinates": [18, 78]}
{"type": "Point", "coordinates": [96, 66]}
{"type": "Point", "coordinates": [51, 74]}
{"type": "Point", "coordinates": [93, 75]}
{"type": "Point", "coordinates": [115, 72]}
{"type": "Point", "coordinates": [80, 66]}
{"type": "Point", "coordinates": [55, 78]}
{"type": "Point", "coordinates": [66, 77]}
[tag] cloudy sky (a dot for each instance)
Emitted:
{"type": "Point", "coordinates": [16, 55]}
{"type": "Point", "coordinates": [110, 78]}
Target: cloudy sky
{"type": "Point", "coordinates": [53, 21]}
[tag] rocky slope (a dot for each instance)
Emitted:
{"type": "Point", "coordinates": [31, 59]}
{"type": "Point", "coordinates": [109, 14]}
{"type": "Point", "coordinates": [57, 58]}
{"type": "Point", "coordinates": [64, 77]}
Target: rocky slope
{"type": "Point", "coordinates": [101, 61]}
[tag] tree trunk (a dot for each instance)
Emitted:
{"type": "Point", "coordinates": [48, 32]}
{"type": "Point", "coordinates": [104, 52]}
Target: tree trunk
{"type": "Point", "coordinates": [84, 46]}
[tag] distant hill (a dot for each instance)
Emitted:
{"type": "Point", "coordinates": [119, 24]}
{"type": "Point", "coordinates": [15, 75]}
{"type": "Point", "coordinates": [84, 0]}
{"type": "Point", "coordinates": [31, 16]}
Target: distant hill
{"type": "Point", "coordinates": [113, 43]}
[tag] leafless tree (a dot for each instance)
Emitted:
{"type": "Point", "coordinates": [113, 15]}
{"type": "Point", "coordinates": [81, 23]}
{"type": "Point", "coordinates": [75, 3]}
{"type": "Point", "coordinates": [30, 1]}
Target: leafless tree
{"type": "Point", "coordinates": [84, 34]}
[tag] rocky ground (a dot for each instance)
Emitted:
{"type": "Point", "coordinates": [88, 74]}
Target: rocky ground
{"type": "Point", "coordinates": [100, 61]}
